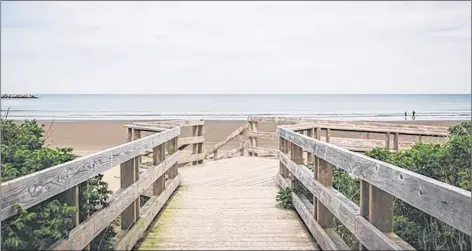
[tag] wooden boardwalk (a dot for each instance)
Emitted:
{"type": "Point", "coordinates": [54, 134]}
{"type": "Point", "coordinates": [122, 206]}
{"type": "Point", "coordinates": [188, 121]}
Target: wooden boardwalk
{"type": "Point", "coordinates": [228, 204]}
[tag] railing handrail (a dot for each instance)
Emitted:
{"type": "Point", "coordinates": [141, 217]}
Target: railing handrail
{"type": "Point", "coordinates": [239, 131]}
{"type": "Point", "coordinates": [34, 188]}
{"type": "Point", "coordinates": [358, 126]}
{"type": "Point", "coordinates": [443, 201]}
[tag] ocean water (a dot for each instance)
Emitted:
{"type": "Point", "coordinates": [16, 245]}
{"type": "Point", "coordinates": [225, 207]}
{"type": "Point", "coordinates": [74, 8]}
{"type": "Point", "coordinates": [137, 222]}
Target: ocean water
{"type": "Point", "coordinates": [237, 107]}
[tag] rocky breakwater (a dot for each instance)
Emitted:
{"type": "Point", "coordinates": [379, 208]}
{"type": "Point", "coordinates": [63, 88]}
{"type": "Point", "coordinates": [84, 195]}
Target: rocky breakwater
{"type": "Point", "coordinates": [18, 96]}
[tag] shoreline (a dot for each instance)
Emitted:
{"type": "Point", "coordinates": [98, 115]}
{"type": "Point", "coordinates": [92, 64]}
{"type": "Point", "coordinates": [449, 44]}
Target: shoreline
{"type": "Point", "coordinates": [17, 96]}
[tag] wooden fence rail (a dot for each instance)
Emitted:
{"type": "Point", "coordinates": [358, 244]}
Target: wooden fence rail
{"type": "Point", "coordinates": [253, 137]}
{"type": "Point", "coordinates": [196, 140]}
{"type": "Point", "coordinates": [420, 133]}
{"type": "Point", "coordinates": [32, 189]}
{"type": "Point", "coordinates": [240, 148]}
{"type": "Point", "coordinates": [381, 183]}
{"type": "Point", "coordinates": [415, 129]}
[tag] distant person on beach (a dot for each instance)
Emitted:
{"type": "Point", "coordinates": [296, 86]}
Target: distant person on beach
{"type": "Point", "coordinates": [406, 114]}
{"type": "Point", "coordinates": [413, 117]}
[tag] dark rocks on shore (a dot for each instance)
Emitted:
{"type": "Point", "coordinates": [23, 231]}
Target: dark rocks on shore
{"type": "Point", "coordinates": [18, 96]}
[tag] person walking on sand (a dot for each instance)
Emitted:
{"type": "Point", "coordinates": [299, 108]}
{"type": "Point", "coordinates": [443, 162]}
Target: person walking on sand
{"type": "Point", "coordinates": [406, 114]}
{"type": "Point", "coordinates": [413, 117]}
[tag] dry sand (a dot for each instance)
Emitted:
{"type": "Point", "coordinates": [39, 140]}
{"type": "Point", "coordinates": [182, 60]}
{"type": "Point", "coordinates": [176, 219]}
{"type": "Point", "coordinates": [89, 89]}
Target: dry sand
{"type": "Point", "coordinates": [87, 137]}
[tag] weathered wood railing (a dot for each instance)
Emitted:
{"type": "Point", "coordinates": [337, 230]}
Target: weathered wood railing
{"type": "Point", "coordinates": [32, 189]}
{"type": "Point", "coordinates": [254, 135]}
{"type": "Point", "coordinates": [196, 140]}
{"type": "Point", "coordinates": [372, 221]}
{"type": "Point", "coordinates": [314, 128]}
{"type": "Point", "coordinates": [238, 133]}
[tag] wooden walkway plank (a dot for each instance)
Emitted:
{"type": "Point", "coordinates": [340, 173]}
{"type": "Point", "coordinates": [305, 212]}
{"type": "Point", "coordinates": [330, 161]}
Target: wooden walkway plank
{"type": "Point", "coordinates": [228, 205]}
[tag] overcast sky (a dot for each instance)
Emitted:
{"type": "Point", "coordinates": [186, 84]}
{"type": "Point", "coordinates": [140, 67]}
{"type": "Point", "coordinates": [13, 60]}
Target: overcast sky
{"type": "Point", "coordinates": [236, 47]}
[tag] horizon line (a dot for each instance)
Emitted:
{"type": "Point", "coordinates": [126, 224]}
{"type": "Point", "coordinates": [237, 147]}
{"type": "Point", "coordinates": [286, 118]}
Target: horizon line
{"type": "Point", "coordinates": [235, 93]}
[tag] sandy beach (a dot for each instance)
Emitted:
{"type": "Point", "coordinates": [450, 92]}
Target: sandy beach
{"type": "Point", "coordinates": [87, 137]}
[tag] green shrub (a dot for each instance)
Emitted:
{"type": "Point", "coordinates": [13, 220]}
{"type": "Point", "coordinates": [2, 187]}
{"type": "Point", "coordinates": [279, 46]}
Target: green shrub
{"type": "Point", "coordinates": [23, 152]}
{"type": "Point", "coordinates": [284, 198]}
{"type": "Point", "coordinates": [449, 163]}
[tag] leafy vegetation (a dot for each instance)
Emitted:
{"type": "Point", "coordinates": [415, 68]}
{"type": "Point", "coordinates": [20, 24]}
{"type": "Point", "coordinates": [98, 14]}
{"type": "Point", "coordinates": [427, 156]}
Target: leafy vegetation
{"type": "Point", "coordinates": [284, 198]}
{"type": "Point", "coordinates": [23, 152]}
{"type": "Point", "coordinates": [449, 163]}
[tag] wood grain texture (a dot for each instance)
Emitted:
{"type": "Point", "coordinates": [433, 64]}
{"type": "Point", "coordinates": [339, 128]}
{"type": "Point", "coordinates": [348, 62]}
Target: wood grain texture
{"type": "Point", "coordinates": [228, 204]}
{"type": "Point", "coordinates": [447, 203]}
{"type": "Point", "coordinates": [233, 135]}
{"type": "Point", "coordinates": [83, 234]}
{"type": "Point", "coordinates": [149, 212]}
{"type": "Point", "coordinates": [341, 207]}
{"type": "Point", "coordinates": [305, 211]}
{"type": "Point", "coordinates": [29, 190]}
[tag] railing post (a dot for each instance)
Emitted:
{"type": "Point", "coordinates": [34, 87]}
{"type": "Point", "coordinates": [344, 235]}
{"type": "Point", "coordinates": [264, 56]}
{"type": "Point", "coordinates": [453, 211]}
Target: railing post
{"type": "Point", "coordinates": [297, 157]}
{"type": "Point", "coordinates": [72, 199]}
{"type": "Point", "coordinates": [129, 173]}
{"type": "Point", "coordinates": [198, 147]}
{"type": "Point", "coordinates": [253, 140]}
{"type": "Point", "coordinates": [310, 157]}
{"type": "Point", "coordinates": [377, 205]}
{"type": "Point", "coordinates": [323, 172]}
{"type": "Point", "coordinates": [328, 132]}
{"type": "Point", "coordinates": [201, 132]}
{"type": "Point", "coordinates": [158, 157]}
{"type": "Point", "coordinates": [305, 153]}
{"type": "Point", "coordinates": [284, 149]}
{"type": "Point", "coordinates": [387, 140]}
{"type": "Point", "coordinates": [395, 141]}
{"type": "Point", "coordinates": [364, 204]}
{"type": "Point", "coordinates": [241, 139]}
{"type": "Point", "coordinates": [325, 176]}
{"type": "Point", "coordinates": [316, 164]}
{"type": "Point", "coordinates": [381, 206]}
{"type": "Point", "coordinates": [194, 146]}
{"type": "Point", "coordinates": [137, 164]}
{"type": "Point", "coordinates": [173, 171]}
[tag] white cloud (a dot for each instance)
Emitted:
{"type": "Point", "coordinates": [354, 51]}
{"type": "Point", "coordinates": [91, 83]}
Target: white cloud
{"type": "Point", "coordinates": [236, 47]}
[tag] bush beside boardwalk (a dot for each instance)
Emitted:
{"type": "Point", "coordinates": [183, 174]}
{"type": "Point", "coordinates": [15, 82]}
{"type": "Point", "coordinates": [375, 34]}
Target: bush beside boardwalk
{"type": "Point", "coordinates": [449, 163]}
{"type": "Point", "coordinates": [23, 151]}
